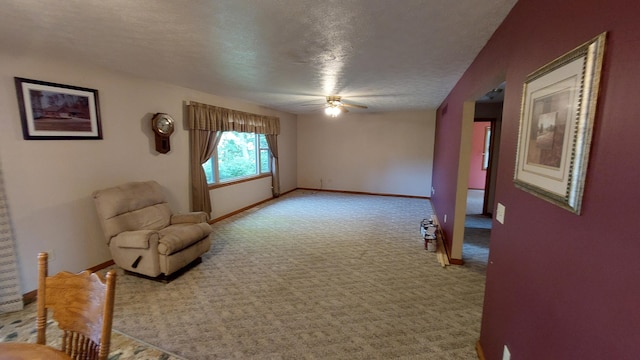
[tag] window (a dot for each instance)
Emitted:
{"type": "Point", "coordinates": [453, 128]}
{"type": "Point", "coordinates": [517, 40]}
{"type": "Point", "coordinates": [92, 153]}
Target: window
{"type": "Point", "coordinates": [238, 155]}
{"type": "Point", "coordinates": [487, 148]}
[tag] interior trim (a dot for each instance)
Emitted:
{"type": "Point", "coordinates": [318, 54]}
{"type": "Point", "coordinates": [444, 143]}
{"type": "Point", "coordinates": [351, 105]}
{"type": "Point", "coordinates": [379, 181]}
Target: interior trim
{"type": "Point", "coordinates": [447, 251]}
{"type": "Point", "coordinates": [239, 211]}
{"type": "Point", "coordinates": [104, 265]}
{"type": "Point", "coordinates": [367, 193]}
{"type": "Point", "coordinates": [245, 208]}
{"type": "Point", "coordinates": [452, 260]}
{"type": "Point", "coordinates": [310, 189]}
{"type": "Point", "coordinates": [238, 181]}
{"type": "Point", "coordinates": [29, 297]}
{"type": "Point", "coordinates": [479, 351]}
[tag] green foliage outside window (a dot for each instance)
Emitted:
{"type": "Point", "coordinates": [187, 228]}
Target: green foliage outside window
{"type": "Point", "coordinates": [238, 155]}
{"type": "Point", "coordinates": [209, 171]}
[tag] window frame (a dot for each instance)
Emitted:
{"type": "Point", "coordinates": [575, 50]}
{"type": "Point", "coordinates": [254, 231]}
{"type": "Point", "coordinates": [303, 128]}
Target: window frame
{"type": "Point", "coordinates": [258, 175]}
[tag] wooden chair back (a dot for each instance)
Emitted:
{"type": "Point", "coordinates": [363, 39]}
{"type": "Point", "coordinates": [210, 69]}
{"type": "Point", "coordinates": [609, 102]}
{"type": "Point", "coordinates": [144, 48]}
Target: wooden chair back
{"type": "Point", "coordinates": [82, 305]}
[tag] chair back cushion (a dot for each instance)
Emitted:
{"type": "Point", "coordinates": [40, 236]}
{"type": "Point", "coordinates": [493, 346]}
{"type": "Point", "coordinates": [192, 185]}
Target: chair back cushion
{"type": "Point", "coordinates": [132, 206]}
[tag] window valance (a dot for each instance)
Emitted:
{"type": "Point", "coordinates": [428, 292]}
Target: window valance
{"type": "Point", "coordinates": [214, 118]}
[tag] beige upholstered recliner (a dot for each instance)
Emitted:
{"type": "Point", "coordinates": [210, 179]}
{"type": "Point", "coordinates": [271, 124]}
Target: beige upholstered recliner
{"type": "Point", "coordinates": [142, 233]}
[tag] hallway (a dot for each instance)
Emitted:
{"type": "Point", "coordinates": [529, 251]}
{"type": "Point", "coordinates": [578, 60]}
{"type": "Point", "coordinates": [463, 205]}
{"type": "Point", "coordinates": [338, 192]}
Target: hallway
{"type": "Point", "coordinates": [477, 229]}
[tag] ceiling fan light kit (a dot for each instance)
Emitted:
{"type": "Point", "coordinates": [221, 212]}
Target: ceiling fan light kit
{"type": "Point", "coordinates": [332, 111]}
{"type": "Point", "coordinates": [335, 106]}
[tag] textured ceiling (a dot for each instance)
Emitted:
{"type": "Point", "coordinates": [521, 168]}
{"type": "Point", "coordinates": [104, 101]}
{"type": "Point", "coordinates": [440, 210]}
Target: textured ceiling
{"type": "Point", "coordinates": [283, 54]}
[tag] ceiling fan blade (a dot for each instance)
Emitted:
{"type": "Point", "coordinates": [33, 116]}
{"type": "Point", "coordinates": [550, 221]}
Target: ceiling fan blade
{"type": "Point", "coordinates": [355, 106]}
{"type": "Point", "coordinates": [342, 108]}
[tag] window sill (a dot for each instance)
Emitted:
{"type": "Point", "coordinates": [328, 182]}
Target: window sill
{"type": "Point", "coordinates": [238, 181]}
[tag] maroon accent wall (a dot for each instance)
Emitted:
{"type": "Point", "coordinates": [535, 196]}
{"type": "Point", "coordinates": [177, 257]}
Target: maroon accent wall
{"type": "Point", "coordinates": [445, 166]}
{"type": "Point", "coordinates": [559, 285]}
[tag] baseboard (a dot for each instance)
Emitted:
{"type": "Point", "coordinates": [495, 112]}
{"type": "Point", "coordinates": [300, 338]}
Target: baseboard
{"type": "Point", "coordinates": [452, 261]}
{"type": "Point", "coordinates": [104, 265]}
{"type": "Point", "coordinates": [479, 351]}
{"type": "Point", "coordinates": [239, 211]}
{"type": "Point", "coordinates": [447, 251]}
{"type": "Point", "coordinates": [366, 193]}
{"type": "Point", "coordinates": [29, 297]}
{"type": "Point", "coordinates": [309, 189]}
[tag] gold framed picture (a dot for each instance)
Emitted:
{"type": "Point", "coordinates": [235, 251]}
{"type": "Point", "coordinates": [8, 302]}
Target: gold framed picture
{"type": "Point", "coordinates": [556, 123]}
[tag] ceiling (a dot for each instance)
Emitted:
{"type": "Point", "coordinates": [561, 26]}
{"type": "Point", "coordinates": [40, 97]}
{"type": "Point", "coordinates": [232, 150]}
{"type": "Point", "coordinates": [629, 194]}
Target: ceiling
{"type": "Point", "coordinates": [283, 54]}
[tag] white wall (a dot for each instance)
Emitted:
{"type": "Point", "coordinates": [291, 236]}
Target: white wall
{"type": "Point", "coordinates": [227, 199]}
{"type": "Point", "coordinates": [388, 153]}
{"type": "Point", "coordinates": [49, 183]}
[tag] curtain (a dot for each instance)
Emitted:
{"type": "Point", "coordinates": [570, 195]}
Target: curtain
{"type": "Point", "coordinates": [10, 292]}
{"type": "Point", "coordinates": [214, 118]}
{"type": "Point", "coordinates": [203, 144]}
{"type": "Point", "coordinates": [272, 140]}
{"type": "Point", "coordinates": [206, 124]}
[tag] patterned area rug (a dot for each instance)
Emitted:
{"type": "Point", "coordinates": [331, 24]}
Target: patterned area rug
{"type": "Point", "coordinates": [313, 276]}
{"type": "Point", "coordinates": [20, 326]}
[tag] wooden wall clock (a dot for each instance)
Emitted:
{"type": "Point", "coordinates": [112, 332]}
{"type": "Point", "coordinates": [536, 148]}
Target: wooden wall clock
{"type": "Point", "coordinates": [163, 126]}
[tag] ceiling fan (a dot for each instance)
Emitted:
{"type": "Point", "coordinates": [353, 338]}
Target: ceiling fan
{"type": "Point", "coordinates": [335, 106]}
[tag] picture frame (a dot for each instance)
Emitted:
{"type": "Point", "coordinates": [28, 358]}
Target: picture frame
{"type": "Point", "coordinates": [556, 125]}
{"type": "Point", "coordinates": [51, 111]}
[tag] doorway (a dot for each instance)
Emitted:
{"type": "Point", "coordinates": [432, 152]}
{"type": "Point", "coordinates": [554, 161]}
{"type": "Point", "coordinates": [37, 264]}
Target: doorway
{"type": "Point", "coordinates": [483, 163]}
{"type": "Point", "coordinates": [479, 165]}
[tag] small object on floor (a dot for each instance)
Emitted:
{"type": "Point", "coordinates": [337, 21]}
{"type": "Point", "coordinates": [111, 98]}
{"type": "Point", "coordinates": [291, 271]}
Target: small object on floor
{"type": "Point", "coordinates": [428, 230]}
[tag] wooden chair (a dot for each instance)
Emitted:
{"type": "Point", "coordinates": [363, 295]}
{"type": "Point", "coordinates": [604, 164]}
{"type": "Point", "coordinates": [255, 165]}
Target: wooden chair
{"type": "Point", "coordinates": [82, 304]}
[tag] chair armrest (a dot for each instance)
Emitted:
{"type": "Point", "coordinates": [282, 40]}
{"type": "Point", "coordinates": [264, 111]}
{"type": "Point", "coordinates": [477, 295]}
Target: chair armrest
{"type": "Point", "coordinates": [189, 218]}
{"type": "Point", "coordinates": [137, 239]}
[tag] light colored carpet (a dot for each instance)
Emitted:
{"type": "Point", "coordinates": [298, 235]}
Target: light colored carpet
{"type": "Point", "coordinates": [475, 201]}
{"type": "Point", "coordinates": [474, 217]}
{"type": "Point", "coordinates": [475, 251]}
{"type": "Point", "coordinates": [477, 231]}
{"type": "Point", "coordinates": [313, 276]}
{"type": "Point", "coordinates": [477, 222]}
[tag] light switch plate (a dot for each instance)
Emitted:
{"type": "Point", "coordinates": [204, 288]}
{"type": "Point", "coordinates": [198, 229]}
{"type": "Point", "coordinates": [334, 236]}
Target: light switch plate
{"type": "Point", "coordinates": [500, 213]}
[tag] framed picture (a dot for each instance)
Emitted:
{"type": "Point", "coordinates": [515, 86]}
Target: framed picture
{"type": "Point", "coordinates": [54, 111]}
{"type": "Point", "coordinates": [556, 122]}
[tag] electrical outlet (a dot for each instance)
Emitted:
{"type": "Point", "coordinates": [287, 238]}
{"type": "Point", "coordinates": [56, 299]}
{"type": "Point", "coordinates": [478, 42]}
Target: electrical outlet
{"type": "Point", "coordinates": [506, 354]}
{"type": "Point", "coordinates": [500, 209]}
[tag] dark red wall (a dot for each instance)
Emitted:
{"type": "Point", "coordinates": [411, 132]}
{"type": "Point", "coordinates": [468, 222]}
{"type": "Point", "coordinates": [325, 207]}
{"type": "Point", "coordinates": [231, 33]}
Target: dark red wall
{"type": "Point", "coordinates": [559, 285]}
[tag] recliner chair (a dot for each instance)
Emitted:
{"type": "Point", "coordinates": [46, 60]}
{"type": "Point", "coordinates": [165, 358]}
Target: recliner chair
{"type": "Point", "coordinates": [144, 236]}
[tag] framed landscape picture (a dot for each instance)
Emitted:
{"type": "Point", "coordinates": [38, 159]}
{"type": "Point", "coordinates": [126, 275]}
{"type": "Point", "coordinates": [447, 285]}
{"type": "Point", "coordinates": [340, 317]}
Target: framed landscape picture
{"type": "Point", "coordinates": [54, 111]}
{"type": "Point", "coordinates": [556, 123]}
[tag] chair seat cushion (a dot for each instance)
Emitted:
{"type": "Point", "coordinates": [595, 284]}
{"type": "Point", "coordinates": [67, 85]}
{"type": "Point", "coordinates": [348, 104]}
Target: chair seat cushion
{"type": "Point", "coordinates": [180, 236]}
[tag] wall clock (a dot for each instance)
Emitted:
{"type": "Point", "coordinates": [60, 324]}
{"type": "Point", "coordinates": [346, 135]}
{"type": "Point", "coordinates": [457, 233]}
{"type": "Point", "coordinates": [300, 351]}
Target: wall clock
{"type": "Point", "coordinates": [163, 126]}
